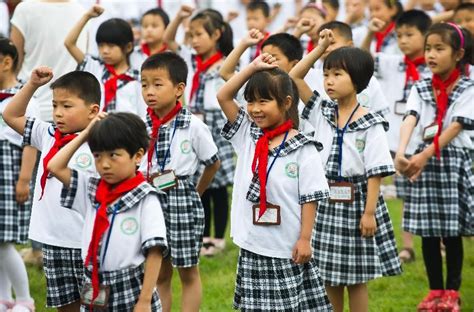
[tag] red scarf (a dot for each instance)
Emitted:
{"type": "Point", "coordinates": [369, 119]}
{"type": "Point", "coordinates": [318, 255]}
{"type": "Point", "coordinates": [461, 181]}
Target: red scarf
{"type": "Point", "coordinates": [105, 195]}
{"type": "Point", "coordinates": [202, 67]}
{"type": "Point", "coordinates": [59, 142]}
{"type": "Point", "coordinates": [258, 50]}
{"type": "Point", "coordinates": [4, 96]}
{"type": "Point", "coordinates": [146, 49]}
{"type": "Point", "coordinates": [440, 88]}
{"type": "Point", "coordinates": [380, 36]}
{"type": "Point", "coordinates": [261, 155]}
{"type": "Point", "coordinates": [157, 122]}
{"type": "Point", "coordinates": [411, 73]}
{"type": "Point", "coordinates": [310, 47]}
{"type": "Point", "coordinates": [110, 86]}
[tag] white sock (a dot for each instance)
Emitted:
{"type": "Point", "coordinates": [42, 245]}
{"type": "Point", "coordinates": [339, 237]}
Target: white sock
{"type": "Point", "coordinates": [13, 266]}
{"type": "Point", "coordinates": [5, 286]}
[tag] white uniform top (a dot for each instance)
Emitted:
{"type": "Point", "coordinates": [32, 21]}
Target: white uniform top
{"type": "Point", "coordinates": [390, 71]}
{"type": "Point", "coordinates": [390, 46]}
{"type": "Point", "coordinates": [422, 105]}
{"type": "Point", "coordinates": [296, 177]}
{"type": "Point", "coordinates": [371, 97]}
{"type": "Point", "coordinates": [359, 31]}
{"type": "Point", "coordinates": [4, 20]}
{"type": "Point", "coordinates": [238, 24]}
{"type": "Point", "coordinates": [50, 223]}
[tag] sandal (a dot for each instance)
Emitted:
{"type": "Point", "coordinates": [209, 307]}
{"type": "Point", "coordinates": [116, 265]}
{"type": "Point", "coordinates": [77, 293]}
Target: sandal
{"type": "Point", "coordinates": [406, 255]}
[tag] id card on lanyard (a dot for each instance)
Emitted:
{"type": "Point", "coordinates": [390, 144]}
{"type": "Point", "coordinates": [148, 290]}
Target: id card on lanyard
{"type": "Point", "coordinates": [165, 180]}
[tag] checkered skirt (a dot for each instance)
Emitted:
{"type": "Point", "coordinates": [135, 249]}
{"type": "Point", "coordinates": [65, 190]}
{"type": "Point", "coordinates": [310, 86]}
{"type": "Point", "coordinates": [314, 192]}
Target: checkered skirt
{"type": "Point", "coordinates": [441, 201]}
{"type": "Point", "coordinates": [184, 217]}
{"type": "Point", "coordinates": [14, 217]}
{"type": "Point", "coordinates": [402, 186]}
{"type": "Point", "coordinates": [125, 286]}
{"type": "Point", "coordinates": [273, 284]}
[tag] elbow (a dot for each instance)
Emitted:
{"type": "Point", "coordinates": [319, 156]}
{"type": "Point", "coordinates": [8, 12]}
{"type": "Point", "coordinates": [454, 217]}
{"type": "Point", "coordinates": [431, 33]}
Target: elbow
{"type": "Point", "coordinates": [215, 166]}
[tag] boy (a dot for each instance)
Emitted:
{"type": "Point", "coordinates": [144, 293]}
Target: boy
{"type": "Point", "coordinates": [464, 16]}
{"type": "Point", "coordinates": [355, 17]}
{"type": "Point", "coordinates": [76, 98]}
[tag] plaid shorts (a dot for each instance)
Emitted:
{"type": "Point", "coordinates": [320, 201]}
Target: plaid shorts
{"type": "Point", "coordinates": [64, 272]}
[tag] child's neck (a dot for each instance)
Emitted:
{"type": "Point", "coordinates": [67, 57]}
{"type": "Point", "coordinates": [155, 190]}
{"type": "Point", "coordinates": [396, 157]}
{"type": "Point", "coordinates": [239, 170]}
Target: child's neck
{"type": "Point", "coordinates": [155, 47]}
{"type": "Point", "coordinates": [444, 76]}
{"type": "Point", "coordinates": [413, 56]}
{"type": "Point", "coordinates": [7, 81]}
{"type": "Point", "coordinates": [121, 67]}
{"type": "Point", "coordinates": [208, 54]}
{"type": "Point", "coordinates": [345, 107]}
{"type": "Point", "coordinates": [165, 110]}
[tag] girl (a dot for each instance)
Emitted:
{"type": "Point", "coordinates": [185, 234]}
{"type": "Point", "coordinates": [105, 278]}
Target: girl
{"type": "Point", "coordinates": [274, 206]}
{"type": "Point", "coordinates": [354, 240]}
{"type": "Point", "coordinates": [439, 205]}
{"type": "Point", "coordinates": [121, 86]}
{"type": "Point", "coordinates": [212, 40]}
{"type": "Point", "coordinates": [16, 167]}
{"type": "Point", "coordinates": [122, 204]}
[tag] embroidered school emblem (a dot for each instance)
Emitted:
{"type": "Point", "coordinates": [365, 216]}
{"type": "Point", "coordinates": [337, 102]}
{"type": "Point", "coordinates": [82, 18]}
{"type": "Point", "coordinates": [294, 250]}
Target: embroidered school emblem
{"type": "Point", "coordinates": [363, 99]}
{"type": "Point", "coordinates": [360, 145]}
{"type": "Point", "coordinates": [83, 160]}
{"type": "Point", "coordinates": [129, 226]}
{"type": "Point", "coordinates": [291, 170]}
{"type": "Point", "coordinates": [185, 147]}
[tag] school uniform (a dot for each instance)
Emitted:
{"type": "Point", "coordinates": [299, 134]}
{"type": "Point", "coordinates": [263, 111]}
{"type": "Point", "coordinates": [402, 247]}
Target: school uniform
{"type": "Point", "coordinates": [182, 145]}
{"type": "Point", "coordinates": [57, 228]}
{"type": "Point", "coordinates": [267, 278]}
{"type": "Point", "coordinates": [389, 45]}
{"type": "Point", "coordinates": [440, 201]}
{"type": "Point", "coordinates": [359, 30]}
{"type": "Point", "coordinates": [129, 92]}
{"type": "Point", "coordinates": [139, 54]}
{"type": "Point", "coordinates": [343, 256]}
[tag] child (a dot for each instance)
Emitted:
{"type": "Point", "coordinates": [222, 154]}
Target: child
{"type": "Point", "coordinates": [464, 17]}
{"type": "Point", "coordinates": [120, 197]}
{"type": "Point", "coordinates": [439, 205]}
{"type": "Point", "coordinates": [121, 86]}
{"type": "Point", "coordinates": [16, 167]}
{"type": "Point", "coordinates": [153, 25]}
{"type": "Point", "coordinates": [397, 74]}
{"type": "Point", "coordinates": [258, 17]}
{"type": "Point", "coordinates": [76, 98]}
{"type": "Point", "coordinates": [332, 9]}
{"type": "Point", "coordinates": [353, 238]}
{"type": "Point", "coordinates": [179, 142]}
{"type": "Point", "coordinates": [312, 16]}
{"type": "Point", "coordinates": [275, 270]}
{"type": "Point", "coordinates": [355, 17]}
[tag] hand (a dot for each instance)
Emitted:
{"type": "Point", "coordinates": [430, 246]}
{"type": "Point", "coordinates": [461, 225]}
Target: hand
{"type": "Point", "coordinates": [368, 225]}
{"type": "Point", "coordinates": [22, 191]}
{"type": "Point", "coordinates": [416, 165]}
{"type": "Point", "coordinates": [264, 61]}
{"type": "Point", "coordinates": [231, 15]}
{"type": "Point", "coordinates": [95, 11]}
{"type": "Point", "coordinates": [185, 11]}
{"type": "Point", "coordinates": [41, 76]}
{"type": "Point", "coordinates": [376, 25]}
{"type": "Point", "coordinates": [253, 37]}
{"type": "Point", "coordinates": [100, 116]}
{"type": "Point", "coordinates": [142, 306]}
{"type": "Point", "coordinates": [305, 25]}
{"type": "Point", "coordinates": [401, 163]}
{"type": "Point", "coordinates": [302, 251]}
{"type": "Point", "coordinates": [326, 38]}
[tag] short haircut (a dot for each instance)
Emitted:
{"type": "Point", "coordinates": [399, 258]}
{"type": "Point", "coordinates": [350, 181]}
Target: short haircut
{"type": "Point", "coordinates": [171, 62]}
{"type": "Point", "coordinates": [415, 18]}
{"type": "Point", "coordinates": [158, 12]}
{"type": "Point", "coordinates": [358, 63]}
{"type": "Point", "coordinates": [7, 48]}
{"type": "Point", "coordinates": [83, 84]}
{"type": "Point", "coordinates": [259, 5]}
{"type": "Point", "coordinates": [119, 130]}
{"type": "Point", "coordinates": [288, 44]}
{"type": "Point", "coordinates": [464, 6]}
{"type": "Point", "coordinates": [342, 29]}
{"type": "Point", "coordinates": [115, 31]}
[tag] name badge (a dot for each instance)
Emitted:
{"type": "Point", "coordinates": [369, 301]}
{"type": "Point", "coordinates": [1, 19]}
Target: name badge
{"type": "Point", "coordinates": [270, 217]}
{"type": "Point", "coordinates": [165, 180]}
{"type": "Point", "coordinates": [199, 116]}
{"type": "Point", "coordinates": [342, 192]}
{"type": "Point", "coordinates": [102, 298]}
{"type": "Point", "coordinates": [430, 131]}
{"type": "Point", "coordinates": [400, 108]}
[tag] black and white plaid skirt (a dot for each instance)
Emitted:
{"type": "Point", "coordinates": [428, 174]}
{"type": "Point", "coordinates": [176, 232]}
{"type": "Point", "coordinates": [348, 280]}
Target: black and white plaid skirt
{"type": "Point", "coordinates": [441, 201]}
{"type": "Point", "coordinates": [274, 284]}
{"type": "Point", "coordinates": [14, 217]}
{"type": "Point", "coordinates": [402, 186]}
{"type": "Point", "coordinates": [343, 256]}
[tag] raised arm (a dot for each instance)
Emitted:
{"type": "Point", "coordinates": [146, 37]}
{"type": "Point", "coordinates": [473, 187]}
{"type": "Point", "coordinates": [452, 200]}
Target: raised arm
{"type": "Point", "coordinates": [375, 25]}
{"type": "Point", "coordinates": [303, 26]}
{"type": "Point", "coordinates": [170, 33]}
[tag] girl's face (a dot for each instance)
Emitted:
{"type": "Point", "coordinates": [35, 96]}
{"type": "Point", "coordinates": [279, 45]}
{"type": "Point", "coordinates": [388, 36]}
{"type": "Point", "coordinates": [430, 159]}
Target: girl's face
{"type": "Point", "coordinates": [266, 113]}
{"type": "Point", "coordinates": [380, 10]}
{"type": "Point", "coordinates": [153, 28]}
{"type": "Point", "coordinates": [112, 54]}
{"type": "Point", "coordinates": [203, 43]}
{"type": "Point", "coordinates": [440, 56]}
{"type": "Point", "coordinates": [338, 84]}
{"type": "Point", "coordinates": [117, 165]}
{"type": "Point", "coordinates": [318, 20]}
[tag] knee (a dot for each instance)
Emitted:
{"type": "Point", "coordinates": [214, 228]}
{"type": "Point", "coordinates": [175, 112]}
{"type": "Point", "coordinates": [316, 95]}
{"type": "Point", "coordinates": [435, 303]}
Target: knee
{"type": "Point", "coordinates": [189, 275]}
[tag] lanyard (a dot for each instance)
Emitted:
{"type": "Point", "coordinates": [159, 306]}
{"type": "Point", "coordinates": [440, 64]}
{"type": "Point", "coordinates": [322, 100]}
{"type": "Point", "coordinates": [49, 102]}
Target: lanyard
{"type": "Point", "coordinates": [340, 138]}
{"type": "Point", "coordinates": [116, 206]}
{"type": "Point", "coordinates": [162, 165]}
{"type": "Point", "coordinates": [278, 153]}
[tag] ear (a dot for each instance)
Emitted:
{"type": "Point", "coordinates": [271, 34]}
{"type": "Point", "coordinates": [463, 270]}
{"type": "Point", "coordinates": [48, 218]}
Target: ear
{"type": "Point", "coordinates": [180, 87]}
{"type": "Point", "coordinates": [138, 156]}
{"type": "Point", "coordinates": [93, 111]}
{"type": "Point", "coordinates": [293, 63]}
{"type": "Point", "coordinates": [216, 34]}
{"type": "Point", "coordinates": [8, 62]}
{"type": "Point", "coordinates": [350, 43]}
{"type": "Point", "coordinates": [459, 54]}
{"type": "Point", "coordinates": [129, 48]}
{"type": "Point", "coordinates": [288, 102]}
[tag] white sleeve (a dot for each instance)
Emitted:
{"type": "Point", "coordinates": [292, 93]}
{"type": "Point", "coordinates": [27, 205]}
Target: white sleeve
{"type": "Point", "coordinates": [92, 65]}
{"type": "Point", "coordinates": [312, 110]}
{"type": "Point", "coordinates": [74, 196]}
{"type": "Point", "coordinates": [463, 111]}
{"type": "Point", "coordinates": [414, 104]}
{"type": "Point", "coordinates": [238, 132]}
{"type": "Point", "coordinates": [312, 183]}
{"type": "Point", "coordinates": [202, 142]}
{"type": "Point", "coordinates": [35, 132]}
{"type": "Point", "coordinates": [377, 158]}
{"type": "Point", "coordinates": [378, 101]}
{"type": "Point", "coordinates": [153, 228]}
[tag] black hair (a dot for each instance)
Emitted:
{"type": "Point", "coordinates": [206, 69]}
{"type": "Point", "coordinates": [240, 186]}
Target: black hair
{"type": "Point", "coordinates": [171, 62]}
{"type": "Point", "coordinates": [115, 31]}
{"type": "Point", "coordinates": [274, 84]}
{"type": "Point", "coordinates": [397, 4]}
{"type": "Point", "coordinates": [212, 20]}
{"type": "Point", "coordinates": [464, 6]}
{"type": "Point", "coordinates": [358, 63]}
{"type": "Point", "coordinates": [119, 130]}
{"type": "Point", "coordinates": [83, 84]}
{"type": "Point", "coordinates": [342, 29]}
{"type": "Point", "coordinates": [288, 44]}
{"type": "Point", "coordinates": [415, 18]}
{"type": "Point", "coordinates": [158, 12]}
{"type": "Point", "coordinates": [7, 48]}
{"type": "Point", "coordinates": [256, 5]}
{"type": "Point", "coordinates": [332, 3]}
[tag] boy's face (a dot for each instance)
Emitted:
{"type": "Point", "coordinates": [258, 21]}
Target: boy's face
{"type": "Point", "coordinates": [159, 92]}
{"type": "Point", "coordinates": [331, 14]}
{"type": "Point", "coordinates": [339, 42]}
{"type": "Point", "coordinates": [410, 41]}
{"type": "Point", "coordinates": [281, 59]}
{"type": "Point", "coordinates": [153, 28]}
{"type": "Point", "coordinates": [256, 19]}
{"type": "Point", "coordinates": [70, 113]}
{"type": "Point", "coordinates": [465, 19]}
{"type": "Point", "coordinates": [117, 165]}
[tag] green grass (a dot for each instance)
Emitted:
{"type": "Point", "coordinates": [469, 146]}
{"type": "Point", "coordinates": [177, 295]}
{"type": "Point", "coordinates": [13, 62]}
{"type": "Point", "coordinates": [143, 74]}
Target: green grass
{"type": "Point", "coordinates": [401, 293]}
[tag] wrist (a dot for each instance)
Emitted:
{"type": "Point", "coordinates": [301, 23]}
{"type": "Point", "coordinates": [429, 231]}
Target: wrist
{"type": "Point", "coordinates": [24, 180]}
{"type": "Point", "coordinates": [428, 152]}
{"type": "Point", "coordinates": [369, 212]}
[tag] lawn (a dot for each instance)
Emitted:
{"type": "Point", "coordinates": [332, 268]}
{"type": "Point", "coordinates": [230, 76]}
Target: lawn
{"type": "Point", "coordinates": [401, 293]}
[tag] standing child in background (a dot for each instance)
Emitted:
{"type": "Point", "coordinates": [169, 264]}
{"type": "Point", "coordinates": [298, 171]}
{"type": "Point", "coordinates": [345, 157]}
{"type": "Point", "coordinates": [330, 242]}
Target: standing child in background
{"type": "Point", "coordinates": [464, 17]}
{"type": "Point", "coordinates": [440, 203]}
{"type": "Point", "coordinates": [397, 74]}
{"type": "Point", "coordinates": [355, 17]}
{"type": "Point", "coordinates": [179, 142]}
{"type": "Point", "coordinates": [332, 9]}
{"type": "Point", "coordinates": [16, 169]}
{"type": "Point", "coordinates": [121, 86]}
{"type": "Point", "coordinates": [312, 16]}
{"type": "Point", "coordinates": [274, 206]}
{"type": "Point", "coordinates": [353, 237]}
{"type": "Point", "coordinates": [153, 25]}
{"type": "Point", "coordinates": [76, 98]}
{"type": "Point", "coordinates": [121, 279]}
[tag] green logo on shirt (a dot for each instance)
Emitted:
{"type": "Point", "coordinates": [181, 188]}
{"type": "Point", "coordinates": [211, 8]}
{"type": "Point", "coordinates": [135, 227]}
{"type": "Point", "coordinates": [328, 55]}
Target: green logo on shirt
{"type": "Point", "coordinates": [360, 145]}
{"type": "Point", "coordinates": [83, 160]}
{"type": "Point", "coordinates": [291, 170]}
{"type": "Point", "coordinates": [129, 226]}
{"type": "Point", "coordinates": [363, 99]}
{"type": "Point", "coordinates": [185, 147]}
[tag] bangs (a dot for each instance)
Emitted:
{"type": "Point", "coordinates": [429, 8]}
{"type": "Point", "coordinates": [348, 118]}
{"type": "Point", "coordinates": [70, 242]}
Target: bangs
{"type": "Point", "coordinates": [261, 86]}
{"type": "Point", "coordinates": [114, 31]}
{"type": "Point", "coordinates": [334, 61]}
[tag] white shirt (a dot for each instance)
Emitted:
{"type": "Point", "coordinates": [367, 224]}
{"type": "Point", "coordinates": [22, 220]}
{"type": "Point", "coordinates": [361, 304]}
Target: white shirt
{"type": "Point", "coordinates": [4, 19]}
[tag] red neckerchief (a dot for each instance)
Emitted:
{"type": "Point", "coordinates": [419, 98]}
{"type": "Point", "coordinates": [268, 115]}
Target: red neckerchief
{"type": "Point", "coordinates": [380, 36]}
{"type": "Point", "coordinates": [200, 68]}
{"type": "Point", "coordinates": [258, 50]}
{"type": "Point", "coordinates": [157, 122]}
{"type": "Point", "coordinates": [60, 141]}
{"type": "Point", "coordinates": [261, 155]}
{"type": "Point", "coordinates": [4, 95]}
{"type": "Point", "coordinates": [440, 87]}
{"type": "Point", "coordinates": [411, 72]}
{"type": "Point", "coordinates": [159, 3]}
{"type": "Point", "coordinates": [105, 195]}
{"type": "Point", "coordinates": [110, 86]}
{"type": "Point", "coordinates": [310, 46]}
{"type": "Point", "coordinates": [146, 48]}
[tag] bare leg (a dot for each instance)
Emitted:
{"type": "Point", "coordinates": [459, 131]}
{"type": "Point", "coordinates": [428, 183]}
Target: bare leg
{"type": "Point", "coordinates": [192, 289]}
{"type": "Point", "coordinates": [164, 284]}
{"type": "Point", "coordinates": [358, 298]}
{"type": "Point", "coordinates": [336, 297]}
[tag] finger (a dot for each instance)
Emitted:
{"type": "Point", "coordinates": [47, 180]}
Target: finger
{"type": "Point", "coordinates": [294, 254]}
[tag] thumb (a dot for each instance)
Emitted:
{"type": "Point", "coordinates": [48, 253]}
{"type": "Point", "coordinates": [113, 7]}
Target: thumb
{"type": "Point", "coordinates": [295, 253]}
